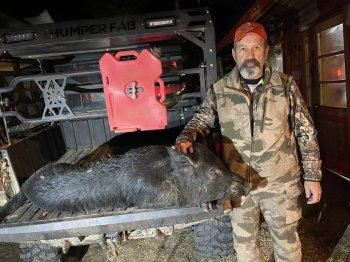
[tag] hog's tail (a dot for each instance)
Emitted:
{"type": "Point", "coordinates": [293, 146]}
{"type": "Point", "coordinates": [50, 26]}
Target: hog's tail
{"type": "Point", "coordinates": [12, 205]}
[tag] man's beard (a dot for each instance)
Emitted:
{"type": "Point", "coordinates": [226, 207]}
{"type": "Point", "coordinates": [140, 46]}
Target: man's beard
{"type": "Point", "coordinates": [250, 72]}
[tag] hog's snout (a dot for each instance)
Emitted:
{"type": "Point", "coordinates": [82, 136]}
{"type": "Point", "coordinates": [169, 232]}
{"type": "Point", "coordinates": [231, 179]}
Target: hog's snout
{"type": "Point", "coordinates": [239, 187]}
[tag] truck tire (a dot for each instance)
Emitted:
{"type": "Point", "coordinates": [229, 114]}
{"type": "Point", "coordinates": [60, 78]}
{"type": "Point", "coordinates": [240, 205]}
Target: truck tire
{"type": "Point", "coordinates": [213, 238]}
{"type": "Point", "coordinates": [32, 252]}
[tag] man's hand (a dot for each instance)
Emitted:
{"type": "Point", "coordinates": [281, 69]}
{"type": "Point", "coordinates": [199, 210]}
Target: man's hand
{"type": "Point", "coordinates": [313, 191]}
{"type": "Point", "coordinates": [184, 147]}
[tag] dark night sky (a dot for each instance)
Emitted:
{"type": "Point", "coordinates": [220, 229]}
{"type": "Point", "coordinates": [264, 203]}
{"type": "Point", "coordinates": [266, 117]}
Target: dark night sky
{"type": "Point", "coordinates": [224, 12]}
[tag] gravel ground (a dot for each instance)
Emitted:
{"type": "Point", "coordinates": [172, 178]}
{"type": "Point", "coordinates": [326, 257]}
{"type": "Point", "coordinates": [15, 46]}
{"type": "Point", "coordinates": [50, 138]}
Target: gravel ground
{"type": "Point", "coordinates": [320, 229]}
{"type": "Point", "coordinates": [176, 248]}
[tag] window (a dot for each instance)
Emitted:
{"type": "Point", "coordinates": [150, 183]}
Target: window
{"type": "Point", "coordinates": [331, 65]}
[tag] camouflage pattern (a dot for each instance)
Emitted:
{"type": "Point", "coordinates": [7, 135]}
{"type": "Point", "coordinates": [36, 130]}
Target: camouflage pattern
{"type": "Point", "coordinates": [261, 132]}
{"type": "Point", "coordinates": [282, 220]}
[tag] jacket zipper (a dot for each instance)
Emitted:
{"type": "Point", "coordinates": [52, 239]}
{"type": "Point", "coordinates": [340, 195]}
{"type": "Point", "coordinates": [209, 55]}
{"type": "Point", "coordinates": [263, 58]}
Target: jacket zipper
{"type": "Point", "coordinates": [251, 111]}
{"type": "Point", "coordinates": [263, 116]}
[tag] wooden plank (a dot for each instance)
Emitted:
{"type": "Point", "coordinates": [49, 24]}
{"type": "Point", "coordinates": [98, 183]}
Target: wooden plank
{"type": "Point", "coordinates": [65, 214]}
{"type": "Point", "coordinates": [52, 215]}
{"type": "Point", "coordinates": [40, 215]}
{"type": "Point", "coordinates": [74, 156]}
{"type": "Point", "coordinates": [83, 152]}
{"type": "Point", "coordinates": [31, 211]}
{"type": "Point", "coordinates": [66, 156]}
{"type": "Point", "coordinates": [18, 213]}
{"type": "Point", "coordinates": [97, 154]}
{"type": "Point", "coordinates": [78, 214]}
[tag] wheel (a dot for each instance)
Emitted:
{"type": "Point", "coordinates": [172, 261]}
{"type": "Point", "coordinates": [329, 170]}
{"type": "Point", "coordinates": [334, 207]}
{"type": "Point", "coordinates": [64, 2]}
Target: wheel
{"type": "Point", "coordinates": [33, 252]}
{"type": "Point", "coordinates": [213, 238]}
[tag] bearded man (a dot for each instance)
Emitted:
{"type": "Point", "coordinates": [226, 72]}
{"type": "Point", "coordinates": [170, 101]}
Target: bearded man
{"type": "Point", "coordinates": [268, 137]}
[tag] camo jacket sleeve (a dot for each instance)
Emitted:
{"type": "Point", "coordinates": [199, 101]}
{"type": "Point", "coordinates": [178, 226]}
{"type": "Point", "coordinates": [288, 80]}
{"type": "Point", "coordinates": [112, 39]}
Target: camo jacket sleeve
{"type": "Point", "coordinates": [203, 120]}
{"type": "Point", "coordinates": [306, 136]}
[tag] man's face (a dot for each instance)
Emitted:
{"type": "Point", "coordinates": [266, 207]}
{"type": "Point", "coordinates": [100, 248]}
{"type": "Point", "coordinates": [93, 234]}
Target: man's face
{"type": "Point", "coordinates": [250, 54]}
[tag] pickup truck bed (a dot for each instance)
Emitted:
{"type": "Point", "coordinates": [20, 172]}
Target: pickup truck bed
{"type": "Point", "coordinates": [30, 223]}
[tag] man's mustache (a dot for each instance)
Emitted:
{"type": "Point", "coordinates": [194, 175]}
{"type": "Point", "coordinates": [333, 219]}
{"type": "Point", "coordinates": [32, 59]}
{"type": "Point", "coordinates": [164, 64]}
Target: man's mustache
{"type": "Point", "coordinates": [253, 61]}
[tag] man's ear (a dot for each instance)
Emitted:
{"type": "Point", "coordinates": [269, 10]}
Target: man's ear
{"type": "Point", "coordinates": [234, 54]}
{"type": "Point", "coordinates": [267, 52]}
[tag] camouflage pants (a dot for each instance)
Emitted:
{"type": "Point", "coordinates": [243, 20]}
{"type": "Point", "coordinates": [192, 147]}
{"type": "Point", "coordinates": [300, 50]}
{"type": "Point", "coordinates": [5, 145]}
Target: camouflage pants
{"type": "Point", "coordinates": [281, 210]}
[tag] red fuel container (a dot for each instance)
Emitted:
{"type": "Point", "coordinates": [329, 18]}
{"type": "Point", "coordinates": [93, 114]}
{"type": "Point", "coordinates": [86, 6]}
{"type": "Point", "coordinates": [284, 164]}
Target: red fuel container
{"type": "Point", "coordinates": [131, 83]}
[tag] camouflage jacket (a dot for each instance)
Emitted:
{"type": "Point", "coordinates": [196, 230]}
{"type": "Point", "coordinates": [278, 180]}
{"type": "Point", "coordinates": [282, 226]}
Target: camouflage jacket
{"type": "Point", "coordinates": [262, 132]}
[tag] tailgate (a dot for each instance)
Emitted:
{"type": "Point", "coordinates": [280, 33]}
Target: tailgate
{"type": "Point", "coordinates": [31, 223]}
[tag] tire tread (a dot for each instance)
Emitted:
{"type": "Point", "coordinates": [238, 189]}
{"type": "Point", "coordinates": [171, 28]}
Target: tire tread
{"type": "Point", "coordinates": [213, 238]}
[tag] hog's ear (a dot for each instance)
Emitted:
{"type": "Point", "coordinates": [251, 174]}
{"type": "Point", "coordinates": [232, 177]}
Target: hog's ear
{"type": "Point", "coordinates": [181, 162]}
{"type": "Point", "coordinates": [179, 157]}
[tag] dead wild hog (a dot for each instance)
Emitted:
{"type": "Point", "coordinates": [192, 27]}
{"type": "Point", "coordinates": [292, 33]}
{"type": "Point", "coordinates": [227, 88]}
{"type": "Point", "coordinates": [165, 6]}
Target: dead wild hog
{"type": "Point", "coordinates": [145, 177]}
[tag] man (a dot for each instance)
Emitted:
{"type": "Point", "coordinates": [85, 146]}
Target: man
{"type": "Point", "coordinates": [264, 124]}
